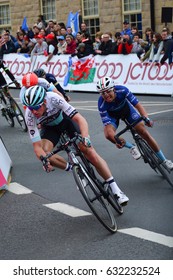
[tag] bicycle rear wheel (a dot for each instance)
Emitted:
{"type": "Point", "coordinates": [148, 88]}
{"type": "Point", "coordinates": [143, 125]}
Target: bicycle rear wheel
{"type": "Point", "coordinates": [18, 114]}
{"type": "Point", "coordinates": [150, 157]}
{"type": "Point", "coordinates": [95, 200]}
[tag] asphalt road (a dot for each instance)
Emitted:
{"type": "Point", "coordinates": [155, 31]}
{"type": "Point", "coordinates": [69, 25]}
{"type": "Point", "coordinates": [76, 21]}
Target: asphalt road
{"type": "Point", "coordinates": [31, 228]}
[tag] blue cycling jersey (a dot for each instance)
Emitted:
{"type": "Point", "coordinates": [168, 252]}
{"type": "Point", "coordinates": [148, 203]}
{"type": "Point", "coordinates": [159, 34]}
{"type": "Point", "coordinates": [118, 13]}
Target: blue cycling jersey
{"type": "Point", "coordinates": [51, 78]}
{"type": "Point", "coordinates": [122, 106]}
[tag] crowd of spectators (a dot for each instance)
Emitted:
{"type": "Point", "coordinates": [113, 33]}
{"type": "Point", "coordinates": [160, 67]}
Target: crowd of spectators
{"type": "Point", "coordinates": [51, 38]}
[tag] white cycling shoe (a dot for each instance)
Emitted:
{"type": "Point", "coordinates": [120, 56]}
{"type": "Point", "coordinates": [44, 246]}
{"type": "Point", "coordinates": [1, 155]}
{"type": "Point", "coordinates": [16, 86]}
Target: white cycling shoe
{"type": "Point", "coordinates": [169, 164]}
{"type": "Point", "coordinates": [135, 153]}
{"type": "Point", "coordinates": [122, 199]}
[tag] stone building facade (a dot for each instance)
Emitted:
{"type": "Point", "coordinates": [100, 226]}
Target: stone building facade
{"type": "Point", "coordinates": [110, 13]}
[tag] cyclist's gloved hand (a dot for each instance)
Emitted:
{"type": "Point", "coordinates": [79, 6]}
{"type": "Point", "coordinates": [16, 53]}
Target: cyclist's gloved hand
{"type": "Point", "coordinates": [86, 141]}
{"type": "Point", "coordinates": [46, 164]}
{"type": "Point", "coordinates": [120, 142]}
{"type": "Point", "coordinates": [148, 122]}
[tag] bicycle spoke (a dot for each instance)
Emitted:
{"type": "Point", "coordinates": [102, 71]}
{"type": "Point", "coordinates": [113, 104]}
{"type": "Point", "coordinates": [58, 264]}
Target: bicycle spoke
{"type": "Point", "coordinates": [95, 200]}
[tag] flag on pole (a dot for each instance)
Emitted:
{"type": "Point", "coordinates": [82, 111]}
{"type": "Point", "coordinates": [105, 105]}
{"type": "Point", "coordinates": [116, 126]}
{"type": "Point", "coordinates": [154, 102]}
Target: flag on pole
{"type": "Point", "coordinates": [82, 70]}
{"type": "Point", "coordinates": [73, 22]}
{"type": "Point", "coordinates": [24, 24]}
{"type": "Point", "coordinates": [67, 76]}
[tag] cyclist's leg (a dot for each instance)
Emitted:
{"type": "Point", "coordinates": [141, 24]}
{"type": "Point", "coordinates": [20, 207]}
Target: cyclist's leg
{"type": "Point", "coordinates": [50, 137]}
{"type": "Point", "coordinates": [96, 160]}
{"type": "Point", "coordinates": [102, 168]}
{"type": "Point", "coordinates": [144, 133]}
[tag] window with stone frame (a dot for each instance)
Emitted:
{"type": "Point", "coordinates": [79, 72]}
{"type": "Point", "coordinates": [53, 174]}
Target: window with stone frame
{"type": "Point", "coordinates": [90, 15]}
{"type": "Point", "coordinates": [49, 9]}
{"type": "Point", "coordinates": [5, 19]}
{"type": "Point", "coordinates": [132, 12]}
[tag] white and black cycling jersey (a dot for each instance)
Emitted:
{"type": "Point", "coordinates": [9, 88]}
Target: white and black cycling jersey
{"type": "Point", "coordinates": [55, 106]}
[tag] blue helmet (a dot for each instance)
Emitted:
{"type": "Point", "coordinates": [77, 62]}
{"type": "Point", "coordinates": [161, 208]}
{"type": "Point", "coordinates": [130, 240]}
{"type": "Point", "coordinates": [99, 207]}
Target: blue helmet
{"type": "Point", "coordinates": [34, 96]}
{"type": "Point", "coordinates": [40, 72]}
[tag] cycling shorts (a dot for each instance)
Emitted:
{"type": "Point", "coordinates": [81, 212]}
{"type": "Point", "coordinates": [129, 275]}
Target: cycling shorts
{"type": "Point", "coordinates": [53, 133]}
{"type": "Point", "coordinates": [128, 112]}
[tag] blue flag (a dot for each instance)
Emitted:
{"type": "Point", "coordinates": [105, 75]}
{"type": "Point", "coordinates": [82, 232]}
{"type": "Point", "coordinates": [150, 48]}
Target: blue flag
{"type": "Point", "coordinates": [73, 22]}
{"type": "Point", "coordinates": [67, 77]}
{"type": "Point", "coordinates": [24, 24]}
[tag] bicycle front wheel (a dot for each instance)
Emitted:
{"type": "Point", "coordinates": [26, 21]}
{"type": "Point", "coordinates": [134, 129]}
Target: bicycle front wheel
{"type": "Point", "coordinates": [151, 158]}
{"type": "Point", "coordinates": [95, 200]}
{"type": "Point", "coordinates": [8, 116]}
{"type": "Point", "coordinates": [18, 114]}
{"type": "Point", "coordinates": [103, 187]}
{"type": "Point", "coordinates": [6, 112]}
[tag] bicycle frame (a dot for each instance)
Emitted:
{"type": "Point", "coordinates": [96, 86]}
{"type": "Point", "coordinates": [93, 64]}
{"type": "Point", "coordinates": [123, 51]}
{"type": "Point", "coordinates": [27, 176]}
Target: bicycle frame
{"type": "Point", "coordinates": [72, 150]}
{"type": "Point", "coordinates": [148, 154]}
{"type": "Point", "coordinates": [94, 185]}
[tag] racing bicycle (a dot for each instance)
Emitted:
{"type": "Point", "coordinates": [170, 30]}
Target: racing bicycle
{"type": "Point", "coordinates": [97, 194]}
{"type": "Point", "coordinates": [147, 153]}
{"type": "Point", "coordinates": [10, 109]}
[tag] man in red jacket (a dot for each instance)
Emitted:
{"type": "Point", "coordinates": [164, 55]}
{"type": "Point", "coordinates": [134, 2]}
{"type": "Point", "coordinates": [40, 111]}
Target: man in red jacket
{"type": "Point", "coordinates": [125, 47]}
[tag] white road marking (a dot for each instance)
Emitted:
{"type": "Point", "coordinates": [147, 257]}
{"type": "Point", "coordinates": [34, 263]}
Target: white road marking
{"type": "Point", "coordinates": [76, 212]}
{"type": "Point", "coordinates": [160, 112]}
{"type": "Point", "coordinates": [149, 235]}
{"type": "Point", "coordinates": [67, 209]}
{"type": "Point", "coordinates": [18, 189]}
{"type": "Point", "coordinates": [87, 108]}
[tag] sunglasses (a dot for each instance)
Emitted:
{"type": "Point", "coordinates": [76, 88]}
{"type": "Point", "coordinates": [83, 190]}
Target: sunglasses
{"type": "Point", "coordinates": [35, 108]}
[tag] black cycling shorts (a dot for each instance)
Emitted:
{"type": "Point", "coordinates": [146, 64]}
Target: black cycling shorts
{"type": "Point", "coordinates": [52, 133]}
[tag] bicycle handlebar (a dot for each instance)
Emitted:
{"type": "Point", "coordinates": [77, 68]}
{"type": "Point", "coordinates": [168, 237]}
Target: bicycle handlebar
{"type": "Point", "coordinates": [63, 146]}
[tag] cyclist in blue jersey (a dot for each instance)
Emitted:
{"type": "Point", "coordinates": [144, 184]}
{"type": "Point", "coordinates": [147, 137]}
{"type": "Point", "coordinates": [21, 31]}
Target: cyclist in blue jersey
{"type": "Point", "coordinates": [117, 102]}
{"type": "Point", "coordinates": [51, 79]}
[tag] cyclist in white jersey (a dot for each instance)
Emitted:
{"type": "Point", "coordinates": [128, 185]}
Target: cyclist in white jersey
{"type": "Point", "coordinates": [47, 109]}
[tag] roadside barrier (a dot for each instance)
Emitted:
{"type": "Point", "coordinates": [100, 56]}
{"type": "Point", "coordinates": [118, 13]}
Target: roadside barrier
{"type": "Point", "coordinates": [5, 167]}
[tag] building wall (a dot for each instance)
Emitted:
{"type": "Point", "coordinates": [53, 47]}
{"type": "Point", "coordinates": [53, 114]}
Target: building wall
{"type": "Point", "coordinates": [110, 13]}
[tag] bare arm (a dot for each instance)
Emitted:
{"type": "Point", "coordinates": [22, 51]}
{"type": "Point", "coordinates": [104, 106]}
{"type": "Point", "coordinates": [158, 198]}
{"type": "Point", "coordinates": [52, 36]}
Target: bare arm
{"type": "Point", "coordinates": [83, 125]}
{"type": "Point", "coordinates": [141, 110]}
{"type": "Point", "coordinates": [38, 150]}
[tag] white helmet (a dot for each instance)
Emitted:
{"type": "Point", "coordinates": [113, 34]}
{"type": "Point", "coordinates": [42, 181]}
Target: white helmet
{"type": "Point", "coordinates": [104, 84]}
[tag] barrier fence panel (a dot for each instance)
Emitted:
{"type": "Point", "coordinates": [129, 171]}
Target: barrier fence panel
{"type": "Point", "coordinates": [126, 70]}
